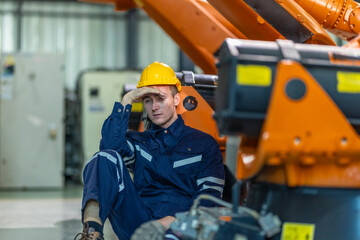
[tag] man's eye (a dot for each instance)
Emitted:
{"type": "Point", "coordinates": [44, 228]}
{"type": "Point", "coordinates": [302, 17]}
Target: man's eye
{"type": "Point", "coordinates": [147, 101]}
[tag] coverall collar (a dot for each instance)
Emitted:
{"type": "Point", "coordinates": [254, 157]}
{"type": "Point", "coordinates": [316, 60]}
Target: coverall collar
{"type": "Point", "coordinates": [175, 128]}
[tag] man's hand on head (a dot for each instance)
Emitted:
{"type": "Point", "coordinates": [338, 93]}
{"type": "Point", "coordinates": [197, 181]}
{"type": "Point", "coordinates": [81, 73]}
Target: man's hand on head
{"type": "Point", "coordinates": [138, 94]}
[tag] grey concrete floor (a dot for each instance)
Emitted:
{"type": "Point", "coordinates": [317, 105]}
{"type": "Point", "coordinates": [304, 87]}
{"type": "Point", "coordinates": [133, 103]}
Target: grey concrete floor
{"type": "Point", "coordinates": [43, 214]}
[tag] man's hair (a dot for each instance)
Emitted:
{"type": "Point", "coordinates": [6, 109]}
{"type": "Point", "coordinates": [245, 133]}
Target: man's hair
{"type": "Point", "coordinates": [174, 90]}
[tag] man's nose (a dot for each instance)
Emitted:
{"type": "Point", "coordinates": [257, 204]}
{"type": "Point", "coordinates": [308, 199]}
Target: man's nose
{"type": "Point", "coordinates": [155, 105]}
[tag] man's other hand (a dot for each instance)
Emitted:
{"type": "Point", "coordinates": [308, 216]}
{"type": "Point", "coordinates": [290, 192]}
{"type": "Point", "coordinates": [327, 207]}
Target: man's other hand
{"type": "Point", "coordinates": [166, 221]}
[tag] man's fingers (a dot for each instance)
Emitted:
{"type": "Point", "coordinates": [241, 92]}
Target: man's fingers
{"type": "Point", "coordinates": [146, 91]}
{"type": "Point", "coordinates": [153, 90]}
{"type": "Point", "coordinates": [138, 94]}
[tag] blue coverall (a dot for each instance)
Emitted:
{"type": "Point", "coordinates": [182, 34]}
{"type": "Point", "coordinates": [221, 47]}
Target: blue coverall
{"type": "Point", "coordinates": [171, 168]}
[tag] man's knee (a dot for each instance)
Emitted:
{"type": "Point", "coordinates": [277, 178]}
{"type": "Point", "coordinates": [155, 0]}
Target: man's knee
{"type": "Point", "coordinates": [106, 157]}
{"type": "Point", "coordinates": [105, 160]}
{"type": "Point", "coordinates": [103, 165]}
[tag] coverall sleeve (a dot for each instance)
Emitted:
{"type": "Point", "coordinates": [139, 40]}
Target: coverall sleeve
{"type": "Point", "coordinates": [114, 131]}
{"type": "Point", "coordinates": [211, 176]}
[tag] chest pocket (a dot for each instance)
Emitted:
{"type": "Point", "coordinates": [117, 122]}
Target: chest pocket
{"type": "Point", "coordinates": [187, 159]}
{"type": "Point", "coordinates": [144, 148]}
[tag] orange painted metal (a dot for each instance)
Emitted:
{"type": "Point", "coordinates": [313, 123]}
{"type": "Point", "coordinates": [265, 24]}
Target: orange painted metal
{"type": "Point", "coordinates": [341, 17]}
{"type": "Point", "coordinates": [307, 142]}
{"type": "Point", "coordinates": [198, 33]}
{"type": "Point", "coordinates": [123, 5]}
{"type": "Point", "coordinates": [201, 117]}
{"type": "Point", "coordinates": [256, 28]}
{"type": "Point", "coordinates": [225, 218]}
{"type": "Point", "coordinates": [320, 36]}
{"type": "Point", "coordinates": [212, 11]}
{"type": "Point", "coordinates": [99, 1]}
{"type": "Point", "coordinates": [194, 25]}
{"type": "Point", "coordinates": [246, 20]}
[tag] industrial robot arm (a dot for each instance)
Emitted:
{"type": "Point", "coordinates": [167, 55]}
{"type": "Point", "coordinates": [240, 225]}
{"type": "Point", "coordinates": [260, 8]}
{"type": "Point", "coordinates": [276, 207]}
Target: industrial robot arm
{"type": "Point", "coordinates": [199, 27]}
{"type": "Point", "coordinates": [194, 25]}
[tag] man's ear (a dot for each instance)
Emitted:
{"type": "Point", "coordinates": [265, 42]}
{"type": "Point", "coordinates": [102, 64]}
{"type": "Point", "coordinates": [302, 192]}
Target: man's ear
{"type": "Point", "coordinates": [177, 99]}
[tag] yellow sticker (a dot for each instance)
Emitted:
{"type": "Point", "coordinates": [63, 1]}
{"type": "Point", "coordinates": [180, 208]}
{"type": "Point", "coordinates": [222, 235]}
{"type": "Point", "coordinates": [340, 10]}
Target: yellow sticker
{"type": "Point", "coordinates": [297, 231]}
{"type": "Point", "coordinates": [137, 107]}
{"type": "Point", "coordinates": [254, 75]}
{"type": "Point", "coordinates": [348, 82]}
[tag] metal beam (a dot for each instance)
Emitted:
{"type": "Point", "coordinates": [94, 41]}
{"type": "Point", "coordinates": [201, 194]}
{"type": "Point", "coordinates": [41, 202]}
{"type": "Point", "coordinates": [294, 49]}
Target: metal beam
{"type": "Point", "coordinates": [19, 24]}
{"type": "Point", "coordinates": [64, 14]}
{"type": "Point", "coordinates": [185, 62]}
{"type": "Point", "coordinates": [132, 39]}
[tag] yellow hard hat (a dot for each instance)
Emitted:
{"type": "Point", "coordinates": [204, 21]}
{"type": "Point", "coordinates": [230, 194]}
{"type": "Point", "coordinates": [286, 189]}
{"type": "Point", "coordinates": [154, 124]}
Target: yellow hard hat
{"type": "Point", "coordinates": [158, 74]}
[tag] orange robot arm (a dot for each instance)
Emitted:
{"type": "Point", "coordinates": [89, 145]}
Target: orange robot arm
{"type": "Point", "coordinates": [341, 17]}
{"type": "Point", "coordinates": [200, 28]}
{"type": "Point", "coordinates": [195, 26]}
{"type": "Point", "coordinates": [271, 20]}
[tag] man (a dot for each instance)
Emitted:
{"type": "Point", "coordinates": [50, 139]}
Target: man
{"type": "Point", "coordinates": [172, 163]}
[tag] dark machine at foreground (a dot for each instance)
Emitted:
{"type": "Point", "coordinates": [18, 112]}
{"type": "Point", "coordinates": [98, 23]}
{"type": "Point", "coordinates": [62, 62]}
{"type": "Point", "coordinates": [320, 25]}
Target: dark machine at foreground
{"type": "Point", "coordinates": [291, 109]}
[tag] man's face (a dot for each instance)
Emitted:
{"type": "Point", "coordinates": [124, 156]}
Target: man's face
{"type": "Point", "coordinates": [161, 108]}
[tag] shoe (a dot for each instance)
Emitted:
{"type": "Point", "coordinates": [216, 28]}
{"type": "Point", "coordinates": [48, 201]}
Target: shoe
{"type": "Point", "coordinates": [89, 233]}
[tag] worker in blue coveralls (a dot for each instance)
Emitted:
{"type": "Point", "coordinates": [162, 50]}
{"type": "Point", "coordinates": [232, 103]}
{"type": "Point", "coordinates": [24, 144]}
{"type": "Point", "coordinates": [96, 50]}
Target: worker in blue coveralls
{"type": "Point", "coordinates": [172, 163]}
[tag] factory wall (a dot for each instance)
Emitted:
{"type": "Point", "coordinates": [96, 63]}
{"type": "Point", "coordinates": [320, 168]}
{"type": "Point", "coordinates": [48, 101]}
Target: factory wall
{"type": "Point", "coordinates": [89, 35]}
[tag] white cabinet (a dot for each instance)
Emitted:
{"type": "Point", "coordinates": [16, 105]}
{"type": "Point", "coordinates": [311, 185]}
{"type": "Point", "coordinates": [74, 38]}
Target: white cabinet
{"type": "Point", "coordinates": [98, 91]}
{"type": "Point", "coordinates": [31, 122]}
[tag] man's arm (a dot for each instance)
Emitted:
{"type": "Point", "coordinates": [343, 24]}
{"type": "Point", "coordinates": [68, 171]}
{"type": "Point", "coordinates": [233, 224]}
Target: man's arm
{"type": "Point", "coordinates": [115, 126]}
{"type": "Point", "coordinates": [114, 131]}
{"type": "Point", "coordinates": [211, 177]}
